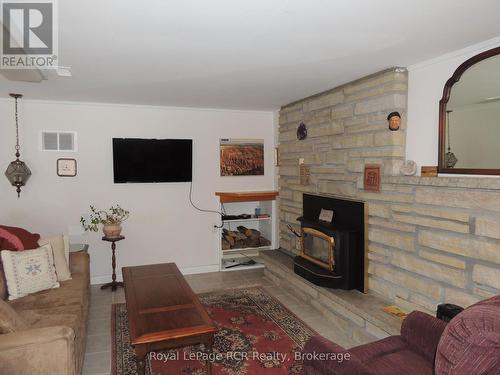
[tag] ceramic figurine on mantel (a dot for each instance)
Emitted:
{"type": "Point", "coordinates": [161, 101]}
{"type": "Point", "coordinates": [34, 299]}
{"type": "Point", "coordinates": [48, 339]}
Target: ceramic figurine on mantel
{"type": "Point", "coordinates": [409, 168]}
{"type": "Point", "coordinates": [110, 220]}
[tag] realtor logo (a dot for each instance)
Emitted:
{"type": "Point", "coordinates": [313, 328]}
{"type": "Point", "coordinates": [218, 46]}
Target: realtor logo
{"type": "Point", "coordinates": [29, 34]}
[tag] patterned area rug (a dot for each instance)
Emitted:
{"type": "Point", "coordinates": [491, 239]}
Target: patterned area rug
{"type": "Point", "coordinates": [256, 335]}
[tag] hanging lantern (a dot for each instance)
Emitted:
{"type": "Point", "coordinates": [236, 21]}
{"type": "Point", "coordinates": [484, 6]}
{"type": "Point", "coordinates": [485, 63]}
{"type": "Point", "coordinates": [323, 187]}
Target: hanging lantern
{"type": "Point", "coordinates": [17, 172]}
{"type": "Point", "coordinates": [449, 158]}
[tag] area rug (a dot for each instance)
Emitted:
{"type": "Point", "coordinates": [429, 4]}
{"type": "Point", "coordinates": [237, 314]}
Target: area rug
{"type": "Point", "coordinates": [256, 335]}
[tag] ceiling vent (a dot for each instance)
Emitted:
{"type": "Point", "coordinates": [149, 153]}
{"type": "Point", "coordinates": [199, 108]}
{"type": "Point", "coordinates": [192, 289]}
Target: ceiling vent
{"type": "Point", "coordinates": [58, 141]}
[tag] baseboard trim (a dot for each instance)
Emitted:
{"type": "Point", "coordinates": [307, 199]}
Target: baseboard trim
{"type": "Point", "coordinates": [200, 269]}
{"type": "Point", "coordinates": [103, 279]}
{"type": "Point", "coordinates": [96, 280]}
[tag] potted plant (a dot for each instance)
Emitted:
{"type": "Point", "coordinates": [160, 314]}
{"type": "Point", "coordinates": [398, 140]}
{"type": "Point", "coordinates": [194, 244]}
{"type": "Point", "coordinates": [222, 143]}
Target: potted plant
{"type": "Point", "coordinates": [110, 220]}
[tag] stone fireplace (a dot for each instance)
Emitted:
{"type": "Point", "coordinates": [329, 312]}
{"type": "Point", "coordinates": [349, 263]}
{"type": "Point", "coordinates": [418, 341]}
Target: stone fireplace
{"type": "Point", "coordinates": [332, 253]}
{"type": "Point", "coordinates": [429, 239]}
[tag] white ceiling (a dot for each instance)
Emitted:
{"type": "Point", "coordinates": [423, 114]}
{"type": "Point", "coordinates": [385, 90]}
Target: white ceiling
{"type": "Point", "coordinates": [253, 54]}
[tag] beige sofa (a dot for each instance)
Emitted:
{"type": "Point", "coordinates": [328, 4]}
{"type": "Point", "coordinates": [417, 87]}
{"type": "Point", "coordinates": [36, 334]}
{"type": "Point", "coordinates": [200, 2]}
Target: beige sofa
{"type": "Point", "coordinates": [54, 343]}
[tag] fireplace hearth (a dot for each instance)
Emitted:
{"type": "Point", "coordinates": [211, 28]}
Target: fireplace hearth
{"type": "Point", "coordinates": [332, 253]}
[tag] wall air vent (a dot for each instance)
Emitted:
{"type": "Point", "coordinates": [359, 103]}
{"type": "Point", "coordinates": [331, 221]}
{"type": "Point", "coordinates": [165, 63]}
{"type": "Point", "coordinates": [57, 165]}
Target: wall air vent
{"type": "Point", "coordinates": [58, 141]}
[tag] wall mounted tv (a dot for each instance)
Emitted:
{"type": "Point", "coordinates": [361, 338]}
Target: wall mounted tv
{"type": "Point", "coordinates": [152, 160]}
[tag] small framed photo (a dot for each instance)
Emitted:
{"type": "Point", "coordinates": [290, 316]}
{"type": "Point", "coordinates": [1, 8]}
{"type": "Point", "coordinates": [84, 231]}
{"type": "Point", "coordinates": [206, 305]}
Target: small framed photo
{"type": "Point", "coordinates": [66, 167]}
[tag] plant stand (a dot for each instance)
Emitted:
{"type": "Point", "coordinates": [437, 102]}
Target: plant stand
{"type": "Point", "coordinates": [113, 284]}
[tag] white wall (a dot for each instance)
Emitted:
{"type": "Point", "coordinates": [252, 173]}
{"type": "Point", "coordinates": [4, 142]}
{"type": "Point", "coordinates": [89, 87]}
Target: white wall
{"type": "Point", "coordinates": [163, 227]}
{"type": "Point", "coordinates": [426, 81]}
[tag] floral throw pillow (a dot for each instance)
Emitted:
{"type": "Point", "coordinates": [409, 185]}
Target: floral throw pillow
{"type": "Point", "coordinates": [29, 271]}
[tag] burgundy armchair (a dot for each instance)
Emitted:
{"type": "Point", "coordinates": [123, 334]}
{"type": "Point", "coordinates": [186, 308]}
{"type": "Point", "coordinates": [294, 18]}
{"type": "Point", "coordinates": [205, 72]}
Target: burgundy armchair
{"type": "Point", "coordinates": [468, 345]}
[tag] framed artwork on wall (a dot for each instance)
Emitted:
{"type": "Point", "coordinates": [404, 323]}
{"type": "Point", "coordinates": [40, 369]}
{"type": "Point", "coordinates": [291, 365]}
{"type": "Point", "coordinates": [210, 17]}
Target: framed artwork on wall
{"type": "Point", "coordinates": [372, 178]}
{"type": "Point", "coordinates": [66, 167]}
{"type": "Point", "coordinates": [241, 157]}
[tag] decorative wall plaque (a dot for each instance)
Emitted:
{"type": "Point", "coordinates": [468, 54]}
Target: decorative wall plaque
{"type": "Point", "coordinates": [305, 174]}
{"type": "Point", "coordinates": [302, 131]}
{"type": "Point", "coordinates": [372, 177]}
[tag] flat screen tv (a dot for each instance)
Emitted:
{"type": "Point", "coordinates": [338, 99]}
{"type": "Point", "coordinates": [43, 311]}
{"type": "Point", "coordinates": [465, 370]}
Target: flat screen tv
{"type": "Point", "coordinates": [152, 160]}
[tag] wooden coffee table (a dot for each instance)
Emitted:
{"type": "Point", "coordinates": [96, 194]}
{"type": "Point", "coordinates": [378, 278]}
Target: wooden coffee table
{"type": "Point", "coordinates": [163, 312]}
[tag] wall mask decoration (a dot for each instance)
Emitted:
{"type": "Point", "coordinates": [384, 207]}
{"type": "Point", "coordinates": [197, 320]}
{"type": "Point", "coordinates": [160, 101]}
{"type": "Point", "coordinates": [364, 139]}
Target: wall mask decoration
{"type": "Point", "coordinates": [372, 178]}
{"type": "Point", "coordinates": [394, 119]}
{"type": "Point", "coordinates": [301, 131]}
{"type": "Point", "coordinates": [241, 157]}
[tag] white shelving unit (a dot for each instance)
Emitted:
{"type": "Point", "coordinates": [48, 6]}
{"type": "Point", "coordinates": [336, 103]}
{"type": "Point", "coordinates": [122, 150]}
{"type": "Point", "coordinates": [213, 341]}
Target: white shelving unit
{"type": "Point", "coordinates": [237, 203]}
{"type": "Point", "coordinates": [248, 220]}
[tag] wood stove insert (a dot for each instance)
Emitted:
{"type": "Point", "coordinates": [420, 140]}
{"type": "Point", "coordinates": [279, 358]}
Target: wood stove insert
{"type": "Point", "coordinates": [332, 254]}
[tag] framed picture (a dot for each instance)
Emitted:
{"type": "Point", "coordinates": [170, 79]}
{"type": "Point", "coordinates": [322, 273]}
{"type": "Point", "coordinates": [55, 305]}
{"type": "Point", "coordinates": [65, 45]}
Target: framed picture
{"type": "Point", "coordinates": [241, 157]}
{"type": "Point", "coordinates": [66, 167]}
{"type": "Point", "coordinates": [372, 177]}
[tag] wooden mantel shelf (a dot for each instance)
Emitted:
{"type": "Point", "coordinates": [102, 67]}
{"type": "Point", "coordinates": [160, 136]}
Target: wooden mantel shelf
{"type": "Point", "coordinates": [246, 196]}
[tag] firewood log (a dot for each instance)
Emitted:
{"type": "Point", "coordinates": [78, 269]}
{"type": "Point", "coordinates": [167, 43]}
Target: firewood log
{"type": "Point", "coordinates": [230, 240]}
{"type": "Point", "coordinates": [240, 236]}
{"type": "Point", "coordinates": [239, 245]}
{"type": "Point", "coordinates": [253, 233]}
{"type": "Point", "coordinates": [252, 242]}
{"type": "Point", "coordinates": [264, 241]}
{"type": "Point", "coordinates": [225, 245]}
{"type": "Point", "coordinates": [241, 228]}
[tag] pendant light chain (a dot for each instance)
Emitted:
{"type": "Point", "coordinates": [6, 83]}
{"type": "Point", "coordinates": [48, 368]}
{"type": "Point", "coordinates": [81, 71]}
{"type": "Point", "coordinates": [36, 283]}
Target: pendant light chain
{"type": "Point", "coordinates": [449, 158]}
{"type": "Point", "coordinates": [17, 172]}
{"type": "Point", "coordinates": [17, 131]}
{"type": "Point", "coordinates": [448, 129]}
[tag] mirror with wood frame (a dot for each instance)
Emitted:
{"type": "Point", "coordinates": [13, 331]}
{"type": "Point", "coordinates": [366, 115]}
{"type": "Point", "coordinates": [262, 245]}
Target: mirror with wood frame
{"type": "Point", "coordinates": [469, 117]}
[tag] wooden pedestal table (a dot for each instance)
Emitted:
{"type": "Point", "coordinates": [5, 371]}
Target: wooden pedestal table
{"type": "Point", "coordinates": [163, 312]}
{"type": "Point", "coordinates": [113, 284]}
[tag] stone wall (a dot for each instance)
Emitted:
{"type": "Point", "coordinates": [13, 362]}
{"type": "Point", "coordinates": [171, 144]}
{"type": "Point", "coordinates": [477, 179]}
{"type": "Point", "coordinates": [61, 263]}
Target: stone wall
{"type": "Point", "coordinates": [430, 239]}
